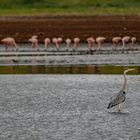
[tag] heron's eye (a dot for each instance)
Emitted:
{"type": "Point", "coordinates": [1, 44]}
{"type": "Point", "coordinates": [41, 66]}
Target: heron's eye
{"type": "Point", "coordinates": [123, 92]}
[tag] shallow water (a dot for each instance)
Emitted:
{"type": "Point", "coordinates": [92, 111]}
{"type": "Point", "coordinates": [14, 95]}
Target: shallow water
{"type": "Point", "coordinates": [66, 69]}
{"type": "Point", "coordinates": [66, 107]}
{"type": "Point", "coordinates": [42, 63]}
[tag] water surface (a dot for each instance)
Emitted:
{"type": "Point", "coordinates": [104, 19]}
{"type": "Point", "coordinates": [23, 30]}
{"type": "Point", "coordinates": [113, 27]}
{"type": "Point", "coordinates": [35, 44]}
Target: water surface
{"type": "Point", "coordinates": [66, 69]}
{"type": "Point", "coordinates": [67, 107]}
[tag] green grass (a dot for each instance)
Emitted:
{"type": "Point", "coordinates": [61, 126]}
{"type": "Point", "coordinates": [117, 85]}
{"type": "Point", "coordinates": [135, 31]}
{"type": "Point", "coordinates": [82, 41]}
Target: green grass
{"type": "Point", "coordinates": [69, 7]}
{"type": "Point", "coordinates": [67, 12]}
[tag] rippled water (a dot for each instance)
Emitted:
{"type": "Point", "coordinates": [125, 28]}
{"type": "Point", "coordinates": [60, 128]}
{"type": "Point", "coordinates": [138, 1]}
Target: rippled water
{"type": "Point", "coordinates": [66, 107]}
{"type": "Point", "coordinates": [32, 62]}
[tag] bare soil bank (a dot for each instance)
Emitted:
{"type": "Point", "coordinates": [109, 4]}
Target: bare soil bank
{"type": "Point", "coordinates": [69, 26]}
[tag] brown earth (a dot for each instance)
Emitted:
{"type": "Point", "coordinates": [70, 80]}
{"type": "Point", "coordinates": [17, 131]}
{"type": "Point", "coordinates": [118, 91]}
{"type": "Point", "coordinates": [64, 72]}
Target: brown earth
{"type": "Point", "coordinates": [69, 26]}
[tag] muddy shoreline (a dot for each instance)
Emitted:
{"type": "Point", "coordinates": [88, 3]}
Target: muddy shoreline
{"type": "Point", "coordinates": [69, 26]}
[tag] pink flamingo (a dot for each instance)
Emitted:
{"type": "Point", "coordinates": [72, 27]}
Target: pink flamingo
{"type": "Point", "coordinates": [34, 41]}
{"type": "Point", "coordinates": [90, 42]}
{"type": "Point", "coordinates": [55, 42]}
{"type": "Point", "coordinates": [76, 42]}
{"type": "Point", "coordinates": [9, 42]}
{"type": "Point", "coordinates": [68, 42]}
{"type": "Point", "coordinates": [47, 41]}
{"type": "Point", "coordinates": [59, 40]}
{"type": "Point", "coordinates": [133, 41]}
{"type": "Point", "coordinates": [99, 41]}
{"type": "Point", "coordinates": [125, 40]}
{"type": "Point", "coordinates": [116, 41]}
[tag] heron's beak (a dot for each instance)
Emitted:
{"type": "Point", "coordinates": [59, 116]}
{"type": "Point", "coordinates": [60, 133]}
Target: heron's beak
{"type": "Point", "coordinates": [131, 69]}
{"type": "Point", "coordinates": [128, 70]}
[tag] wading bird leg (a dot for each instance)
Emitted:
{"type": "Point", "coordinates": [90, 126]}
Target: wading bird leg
{"type": "Point", "coordinates": [99, 46]}
{"type": "Point", "coordinates": [89, 47]}
{"type": "Point", "coordinates": [68, 46]}
{"type": "Point", "coordinates": [74, 47]}
{"type": "Point", "coordinates": [46, 46]}
{"type": "Point", "coordinates": [6, 47]}
{"type": "Point", "coordinates": [57, 46]}
{"type": "Point", "coordinates": [12, 47]}
{"type": "Point", "coordinates": [123, 47]}
{"type": "Point", "coordinates": [119, 107]}
{"type": "Point", "coordinates": [114, 47]}
{"type": "Point", "coordinates": [16, 46]}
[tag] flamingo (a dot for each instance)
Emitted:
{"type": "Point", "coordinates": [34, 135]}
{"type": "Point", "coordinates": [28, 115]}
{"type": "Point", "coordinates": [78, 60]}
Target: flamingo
{"type": "Point", "coordinates": [34, 41]}
{"type": "Point", "coordinates": [76, 42]}
{"type": "Point", "coordinates": [68, 42]}
{"type": "Point", "coordinates": [125, 40]}
{"type": "Point", "coordinates": [47, 41]}
{"type": "Point", "coordinates": [90, 42]}
{"type": "Point", "coordinates": [55, 42]}
{"type": "Point", "coordinates": [99, 41]}
{"type": "Point", "coordinates": [116, 41]}
{"type": "Point", "coordinates": [59, 40]}
{"type": "Point", "coordinates": [133, 40]}
{"type": "Point", "coordinates": [9, 42]}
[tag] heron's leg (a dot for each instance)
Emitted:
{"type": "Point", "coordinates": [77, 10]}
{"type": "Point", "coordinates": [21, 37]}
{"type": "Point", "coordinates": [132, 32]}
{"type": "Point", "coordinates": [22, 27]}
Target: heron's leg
{"type": "Point", "coordinates": [120, 107]}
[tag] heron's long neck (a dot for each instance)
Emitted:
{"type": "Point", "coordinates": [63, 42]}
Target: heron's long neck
{"type": "Point", "coordinates": [125, 81]}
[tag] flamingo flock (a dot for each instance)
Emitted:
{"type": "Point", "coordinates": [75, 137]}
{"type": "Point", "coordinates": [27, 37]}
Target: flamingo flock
{"type": "Point", "coordinates": [92, 43]}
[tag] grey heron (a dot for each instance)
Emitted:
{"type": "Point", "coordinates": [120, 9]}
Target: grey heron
{"type": "Point", "coordinates": [119, 98]}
